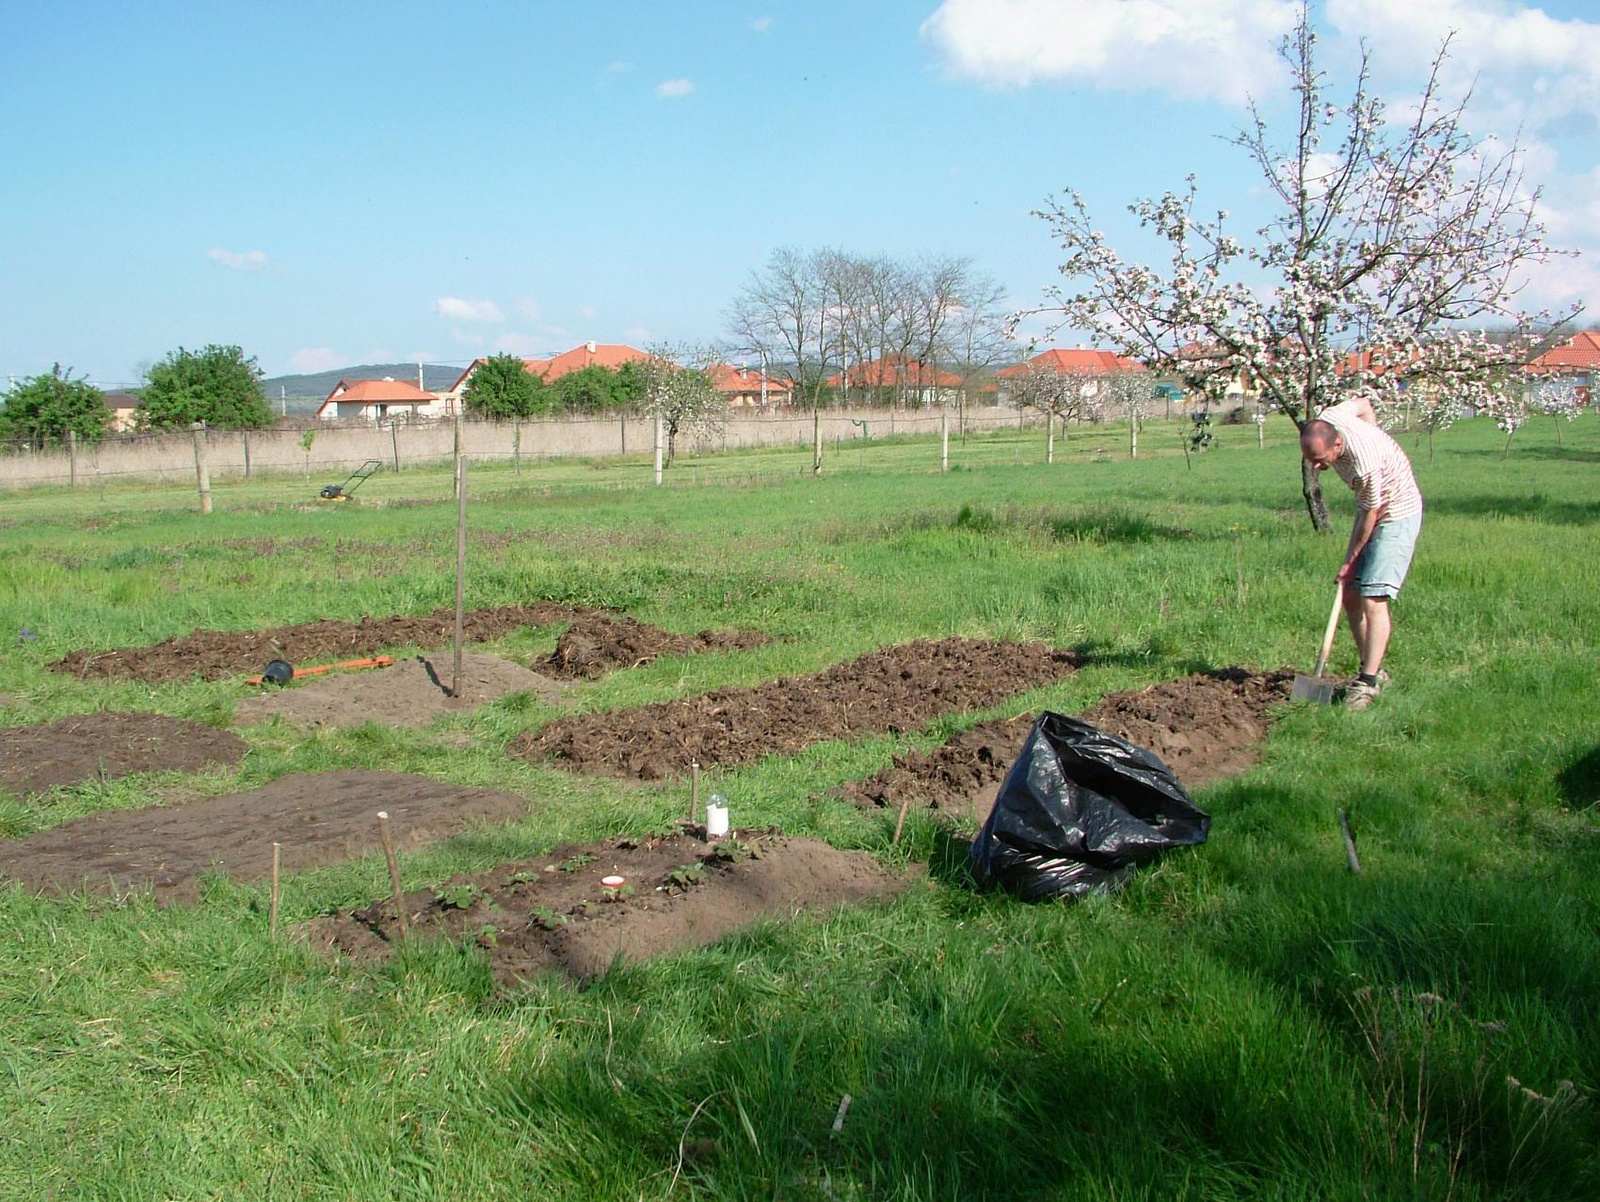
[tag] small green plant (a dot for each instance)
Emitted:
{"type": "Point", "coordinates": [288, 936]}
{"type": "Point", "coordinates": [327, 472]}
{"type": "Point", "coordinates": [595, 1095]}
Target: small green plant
{"type": "Point", "coordinates": [487, 936]}
{"type": "Point", "coordinates": [457, 897]}
{"type": "Point", "coordinates": [573, 863]}
{"type": "Point", "coordinates": [685, 876]}
{"type": "Point", "coordinates": [732, 851]}
{"type": "Point", "coordinates": [616, 894]}
{"type": "Point", "coordinates": [547, 918]}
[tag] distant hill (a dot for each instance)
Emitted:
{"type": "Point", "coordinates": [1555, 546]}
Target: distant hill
{"type": "Point", "coordinates": [302, 394]}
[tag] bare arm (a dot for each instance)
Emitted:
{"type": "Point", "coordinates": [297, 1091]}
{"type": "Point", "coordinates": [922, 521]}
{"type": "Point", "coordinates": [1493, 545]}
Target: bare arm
{"type": "Point", "coordinates": [1360, 534]}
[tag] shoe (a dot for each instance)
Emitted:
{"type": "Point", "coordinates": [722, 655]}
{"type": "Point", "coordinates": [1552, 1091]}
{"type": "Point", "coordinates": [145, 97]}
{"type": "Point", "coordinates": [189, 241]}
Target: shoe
{"type": "Point", "coordinates": [1359, 695]}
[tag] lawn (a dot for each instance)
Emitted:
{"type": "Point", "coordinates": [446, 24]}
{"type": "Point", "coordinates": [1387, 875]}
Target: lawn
{"type": "Point", "coordinates": [1246, 1019]}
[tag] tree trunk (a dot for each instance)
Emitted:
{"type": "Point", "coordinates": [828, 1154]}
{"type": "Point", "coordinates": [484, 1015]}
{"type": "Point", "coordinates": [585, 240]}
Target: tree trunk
{"type": "Point", "coordinates": [1311, 490]}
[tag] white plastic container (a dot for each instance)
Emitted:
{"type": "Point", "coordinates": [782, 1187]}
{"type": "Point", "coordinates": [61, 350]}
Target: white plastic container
{"type": "Point", "coordinates": [716, 816]}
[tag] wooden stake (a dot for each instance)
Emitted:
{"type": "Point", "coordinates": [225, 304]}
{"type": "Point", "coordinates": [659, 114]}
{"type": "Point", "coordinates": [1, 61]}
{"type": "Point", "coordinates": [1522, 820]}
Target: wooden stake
{"type": "Point", "coordinates": [900, 822]}
{"type": "Point", "coordinates": [694, 791]}
{"type": "Point", "coordinates": [277, 858]}
{"type": "Point", "coordinates": [394, 869]}
{"type": "Point", "coordinates": [461, 555]}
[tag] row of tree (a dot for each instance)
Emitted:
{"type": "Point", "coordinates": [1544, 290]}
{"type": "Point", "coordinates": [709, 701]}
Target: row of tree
{"type": "Point", "coordinates": [818, 313]}
{"type": "Point", "coordinates": [217, 385]}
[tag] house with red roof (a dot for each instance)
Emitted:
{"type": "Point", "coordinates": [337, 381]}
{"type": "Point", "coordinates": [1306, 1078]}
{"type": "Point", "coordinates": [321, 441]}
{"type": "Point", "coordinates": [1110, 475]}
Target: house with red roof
{"type": "Point", "coordinates": [1578, 358]}
{"type": "Point", "coordinates": [911, 380]}
{"type": "Point", "coordinates": [1068, 362]}
{"type": "Point", "coordinates": [589, 354]}
{"type": "Point", "coordinates": [375, 400]}
{"type": "Point", "coordinates": [741, 387]}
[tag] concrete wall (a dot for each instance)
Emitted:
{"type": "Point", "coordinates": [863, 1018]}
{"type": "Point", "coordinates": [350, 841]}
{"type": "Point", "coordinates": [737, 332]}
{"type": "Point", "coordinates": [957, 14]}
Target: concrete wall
{"type": "Point", "coordinates": [338, 448]}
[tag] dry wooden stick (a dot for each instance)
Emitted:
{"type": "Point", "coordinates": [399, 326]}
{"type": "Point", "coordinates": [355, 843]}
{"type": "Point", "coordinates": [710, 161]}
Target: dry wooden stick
{"type": "Point", "coordinates": [394, 869]}
{"type": "Point", "coordinates": [277, 856]}
{"type": "Point", "coordinates": [900, 822]}
{"type": "Point", "coordinates": [694, 791]}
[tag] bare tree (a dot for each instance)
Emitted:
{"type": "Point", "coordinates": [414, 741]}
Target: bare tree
{"type": "Point", "coordinates": [975, 336]}
{"type": "Point", "coordinates": [1387, 236]}
{"type": "Point", "coordinates": [778, 315]}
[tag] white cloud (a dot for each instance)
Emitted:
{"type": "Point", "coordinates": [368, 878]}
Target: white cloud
{"type": "Point", "coordinates": [613, 70]}
{"type": "Point", "coordinates": [1222, 49]}
{"type": "Point", "coordinates": [529, 309]}
{"type": "Point", "coordinates": [673, 88]}
{"type": "Point", "coordinates": [314, 359]}
{"type": "Point", "coordinates": [518, 344]}
{"type": "Point", "coordinates": [761, 24]}
{"type": "Point", "coordinates": [1525, 67]}
{"type": "Point", "coordinates": [458, 309]}
{"type": "Point", "coordinates": [239, 260]}
{"type": "Point", "coordinates": [587, 312]}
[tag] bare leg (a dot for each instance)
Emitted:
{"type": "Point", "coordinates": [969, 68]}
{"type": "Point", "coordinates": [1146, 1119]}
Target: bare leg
{"type": "Point", "coordinates": [1355, 613]}
{"type": "Point", "coordinates": [1375, 629]}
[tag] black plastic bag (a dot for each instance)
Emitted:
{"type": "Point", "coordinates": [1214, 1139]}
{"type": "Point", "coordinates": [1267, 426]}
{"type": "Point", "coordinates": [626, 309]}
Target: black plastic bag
{"type": "Point", "coordinates": [1078, 811]}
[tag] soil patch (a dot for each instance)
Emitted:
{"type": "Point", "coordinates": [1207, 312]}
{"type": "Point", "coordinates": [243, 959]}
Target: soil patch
{"type": "Point", "coordinates": [221, 654]}
{"type": "Point", "coordinates": [597, 642]}
{"type": "Point", "coordinates": [555, 913]}
{"type": "Point", "coordinates": [412, 692]}
{"type": "Point", "coordinates": [319, 818]}
{"type": "Point", "coordinates": [1205, 727]}
{"type": "Point", "coordinates": [109, 745]}
{"type": "Point", "coordinates": [889, 690]}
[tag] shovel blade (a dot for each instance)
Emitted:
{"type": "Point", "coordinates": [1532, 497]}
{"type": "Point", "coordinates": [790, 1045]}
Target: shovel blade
{"type": "Point", "coordinates": [1318, 690]}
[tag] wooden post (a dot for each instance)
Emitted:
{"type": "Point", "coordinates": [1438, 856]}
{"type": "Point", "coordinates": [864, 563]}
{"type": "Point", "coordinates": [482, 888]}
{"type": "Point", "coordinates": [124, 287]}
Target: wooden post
{"type": "Point", "coordinates": [624, 418]}
{"type": "Point", "coordinates": [201, 470]}
{"type": "Point", "coordinates": [272, 922]}
{"type": "Point", "coordinates": [944, 440]}
{"type": "Point", "coordinates": [694, 791]}
{"type": "Point", "coordinates": [457, 452]}
{"type": "Point", "coordinates": [1049, 437]}
{"type": "Point", "coordinates": [394, 443]}
{"type": "Point", "coordinates": [816, 442]}
{"type": "Point", "coordinates": [658, 448]}
{"type": "Point", "coordinates": [461, 563]}
{"type": "Point", "coordinates": [72, 458]}
{"type": "Point", "coordinates": [245, 434]}
{"type": "Point", "coordinates": [394, 870]}
{"type": "Point", "coordinates": [516, 445]}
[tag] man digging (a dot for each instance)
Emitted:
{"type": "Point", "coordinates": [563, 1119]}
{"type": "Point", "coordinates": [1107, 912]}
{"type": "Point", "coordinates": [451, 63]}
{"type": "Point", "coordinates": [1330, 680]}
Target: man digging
{"type": "Point", "coordinates": [1346, 438]}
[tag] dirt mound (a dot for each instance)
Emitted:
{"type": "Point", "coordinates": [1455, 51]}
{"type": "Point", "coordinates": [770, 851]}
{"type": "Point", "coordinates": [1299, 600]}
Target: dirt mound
{"type": "Point", "coordinates": [220, 654]}
{"type": "Point", "coordinates": [318, 818]}
{"type": "Point", "coordinates": [1204, 727]}
{"type": "Point", "coordinates": [107, 745]}
{"type": "Point", "coordinates": [412, 692]}
{"type": "Point", "coordinates": [889, 690]}
{"type": "Point", "coordinates": [556, 912]}
{"type": "Point", "coordinates": [597, 642]}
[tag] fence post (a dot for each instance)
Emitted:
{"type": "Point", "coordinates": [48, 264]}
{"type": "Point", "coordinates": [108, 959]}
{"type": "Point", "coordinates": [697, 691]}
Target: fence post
{"type": "Point", "coordinates": [201, 470]}
{"type": "Point", "coordinates": [944, 440]}
{"type": "Point", "coordinates": [394, 443]}
{"type": "Point", "coordinates": [658, 448]}
{"type": "Point", "coordinates": [245, 434]}
{"type": "Point", "coordinates": [72, 458]}
{"type": "Point", "coordinates": [816, 442]}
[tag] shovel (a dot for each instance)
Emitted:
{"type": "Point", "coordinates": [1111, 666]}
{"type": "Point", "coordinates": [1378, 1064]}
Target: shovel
{"type": "Point", "coordinates": [1318, 687]}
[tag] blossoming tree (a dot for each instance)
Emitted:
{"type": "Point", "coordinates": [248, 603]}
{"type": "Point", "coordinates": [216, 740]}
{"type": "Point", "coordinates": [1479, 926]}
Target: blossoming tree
{"type": "Point", "coordinates": [1386, 236]}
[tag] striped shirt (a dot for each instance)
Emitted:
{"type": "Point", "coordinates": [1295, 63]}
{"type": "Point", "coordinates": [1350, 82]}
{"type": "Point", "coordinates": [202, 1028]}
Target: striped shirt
{"type": "Point", "coordinates": [1374, 466]}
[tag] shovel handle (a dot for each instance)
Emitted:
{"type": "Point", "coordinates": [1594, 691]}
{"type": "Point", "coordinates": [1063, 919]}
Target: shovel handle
{"type": "Point", "coordinates": [1333, 627]}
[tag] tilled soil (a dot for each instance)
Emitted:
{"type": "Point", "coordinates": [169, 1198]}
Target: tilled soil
{"type": "Point", "coordinates": [554, 913]}
{"type": "Point", "coordinates": [221, 654]}
{"type": "Point", "coordinates": [109, 745]}
{"type": "Point", "coordinates": [1205, 727]}
{"type": "Point", "coordinates": [412, 692]}
{"type": "Point", "coordinates": [887, 691]}
{"type": "Point", "coordinates": [318, 818]}
{"type": "Point", "coordinates": [598, 642]}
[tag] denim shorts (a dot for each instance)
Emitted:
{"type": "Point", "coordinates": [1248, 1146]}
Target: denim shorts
{"type": "Point", "coordinates": [1383, 563]}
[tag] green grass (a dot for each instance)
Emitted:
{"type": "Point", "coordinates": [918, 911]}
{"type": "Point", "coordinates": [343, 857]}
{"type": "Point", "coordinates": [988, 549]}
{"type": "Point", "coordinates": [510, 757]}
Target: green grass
{"type": "Point", "coordinates": [1246, 1020]}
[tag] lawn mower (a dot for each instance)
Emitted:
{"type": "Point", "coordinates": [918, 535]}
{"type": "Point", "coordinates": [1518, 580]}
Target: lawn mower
{"type": "Point", "coordinates": [341, 492]}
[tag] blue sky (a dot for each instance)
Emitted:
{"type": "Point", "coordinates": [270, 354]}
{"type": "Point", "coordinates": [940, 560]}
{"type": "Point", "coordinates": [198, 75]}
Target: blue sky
{"type": "Point", "coordinates": [326, 185]}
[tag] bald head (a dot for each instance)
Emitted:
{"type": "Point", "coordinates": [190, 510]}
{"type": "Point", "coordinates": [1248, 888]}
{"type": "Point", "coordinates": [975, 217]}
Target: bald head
{"type": "Point", "coordinates": [1320, 443]}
